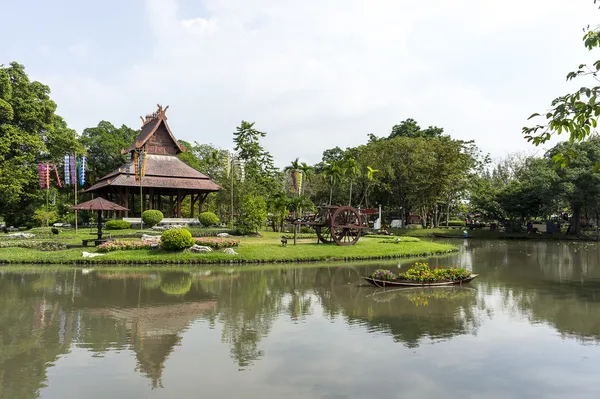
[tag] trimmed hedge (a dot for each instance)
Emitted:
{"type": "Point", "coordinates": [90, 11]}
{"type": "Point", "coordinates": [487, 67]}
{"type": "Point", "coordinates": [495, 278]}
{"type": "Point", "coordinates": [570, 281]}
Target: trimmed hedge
{"type": "Point", "coordinates": [118, 225]}
{"type": "Point", "coordinates": [217, 242]}
{"type": "Point", "coordinates": [176, 239]}
{"type": "Point", "coordinates": [454, 223]}
{"type": "Point", "coordinates": [208, 219]}
{"type": "Point", "coordinates": [152, 217]}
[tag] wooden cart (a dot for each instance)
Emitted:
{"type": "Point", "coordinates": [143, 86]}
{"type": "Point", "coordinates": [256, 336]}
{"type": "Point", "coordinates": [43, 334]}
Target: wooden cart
{"type": "Point", "coordinates": [342, 225]}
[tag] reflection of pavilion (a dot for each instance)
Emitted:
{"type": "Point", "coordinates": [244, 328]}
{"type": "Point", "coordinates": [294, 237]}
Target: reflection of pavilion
{"type": "Point", "coordinates": [155, 331]}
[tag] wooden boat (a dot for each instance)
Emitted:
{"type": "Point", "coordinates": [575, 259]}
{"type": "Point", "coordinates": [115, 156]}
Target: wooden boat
{"type": "Point", "coordinates": [406, 283]}
{"type": "Point", "coordinates": [440, 235]}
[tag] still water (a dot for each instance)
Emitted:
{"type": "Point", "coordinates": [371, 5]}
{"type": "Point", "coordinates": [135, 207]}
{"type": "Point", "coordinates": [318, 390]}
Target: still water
{"type": "Point", "coordinates": [529, 326]}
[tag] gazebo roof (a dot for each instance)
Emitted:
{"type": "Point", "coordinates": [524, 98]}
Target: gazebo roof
{"type": "Point", "coordinates": [98, 204]}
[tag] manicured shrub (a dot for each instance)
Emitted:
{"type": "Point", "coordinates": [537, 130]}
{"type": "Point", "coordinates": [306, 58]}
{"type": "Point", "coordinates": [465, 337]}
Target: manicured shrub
{"type": "Point", "coordinates": [118, 225]}
{"type": "Point", "coordinates": [117, 245]}
{"type": "Point", "coordinates": [152, 217]}
{"type": "Point", "coordinates": [176, 239]}
{"type": "Point", "coordinates": [208, 219]}
{"type": "Point", "coordinates": [455, 223]}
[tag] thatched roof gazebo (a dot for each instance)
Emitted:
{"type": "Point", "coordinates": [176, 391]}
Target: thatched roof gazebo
{"type": "Point", "coordinates": [167, 180]}
{"type": "Point", "coordinates": [98, 204]}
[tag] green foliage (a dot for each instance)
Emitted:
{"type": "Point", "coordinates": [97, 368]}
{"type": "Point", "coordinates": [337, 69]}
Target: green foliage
{"type": "Point", "coordinates": [576, 113]}
{"type": "Point", "coordinates": [119, 245]}
{"type": "Point", "coordinates": [422, 273]}
{"type": "Point", "coordinates": [30, 132]}
{"type": "Point", "coordinates": [176, 239]}
{"type": "Point", "coordinates": [118, 225]}
{"type": "Point", "coordinates": [456, 223]}
{"type": "Point", "coordinates": [152, 217]}
{"type": "Point", "coordinates": [45, 217]}
{"type": "Point", "coordinates": [104, 144]}
{"type": "Point", "coordinates": [410, 128]}
{"type": "Point", "coordinates": [253, 214]}
{"type": "Point", "coordinates": [208, 219]}
{"type": "Point", "coordinates": [34, 244]}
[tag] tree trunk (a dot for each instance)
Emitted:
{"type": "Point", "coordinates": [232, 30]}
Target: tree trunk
{"type": "Point", "coordinates": [576, 221]}
{"type": "Point", "coordinates": [350, 199]}
{"type": "Point", "coordinates": [448, 213]}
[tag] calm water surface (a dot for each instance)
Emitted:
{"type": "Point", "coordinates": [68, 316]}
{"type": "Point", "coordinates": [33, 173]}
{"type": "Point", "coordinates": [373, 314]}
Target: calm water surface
{"type": "Point", "coordinates": [528, 327]}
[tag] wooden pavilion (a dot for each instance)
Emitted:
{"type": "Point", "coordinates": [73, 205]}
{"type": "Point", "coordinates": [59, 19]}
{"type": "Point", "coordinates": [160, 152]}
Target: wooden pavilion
{"type": "Point", "coordinates": [167, 180]}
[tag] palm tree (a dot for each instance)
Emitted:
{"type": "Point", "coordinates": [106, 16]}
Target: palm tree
{"type": "Point", "coordinates": [307, 173]}
{"type": "Point", "coordinates": [351, 170]}
{"type": "Point", "coordinates": [334, 173]}
{"type": "Point", "coordinates": [295, 172]}
{"type": "Point", "coordinates": [370, 177]}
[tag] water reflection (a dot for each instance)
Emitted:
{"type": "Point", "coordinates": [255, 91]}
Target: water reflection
{"type": "Point", "coordinates": [45, 317]}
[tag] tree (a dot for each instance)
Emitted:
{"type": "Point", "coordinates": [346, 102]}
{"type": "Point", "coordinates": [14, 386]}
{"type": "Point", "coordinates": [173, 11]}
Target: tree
{"type": "Point", "coordinates": [370, 180]}
{"type": "Point", "coordinates": [574, 113]}
{"type": "Point", "coordinates": [351, 171]}
{"type": "Point", "coordinates": [30, 132]}
{"type": "Point", "coordinates": [295, 174]}
{"type": "Point", "coordinates": [103, 144]}
{"type": "Point", "coordinates": [307, 173]}
{"type": "Point", "coordinates": [253, 214]}
{"type": "Point", "coordinates": [334, 174]}
{"type": "Point", "coordinates": [410, 128]}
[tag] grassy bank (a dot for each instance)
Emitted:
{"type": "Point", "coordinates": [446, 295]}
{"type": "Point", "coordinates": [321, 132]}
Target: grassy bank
{"type": "Point", "coordinates": [265, 249]}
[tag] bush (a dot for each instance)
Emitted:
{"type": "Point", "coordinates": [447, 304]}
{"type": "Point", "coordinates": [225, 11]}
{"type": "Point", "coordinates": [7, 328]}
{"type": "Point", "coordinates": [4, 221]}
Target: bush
{"type": "Point", "coordinates": [208, 219]}
{"type": "Point", "coordinates": [44, 217]}
{"type": "Point", "coordinates": [253, 213]}
{"type": "Point", "coordinates": [383, 274]}
{"type": "Point", "coordinates": [217, 242]}
{"type": "Point", "coordinates": [176, 283]}
{"type": "Point", "coordinates": [176, 239]}
{"type": "Point", "coordinates": [455, 223]}
{"type": "Point", "coordinates": [421, 272]}
{"type": "Point", "coordinates": [118, 225]}
{"type": "Point", "coordinates": [152, 217]}
{"type": "Point", "coordinates": [117, 245]}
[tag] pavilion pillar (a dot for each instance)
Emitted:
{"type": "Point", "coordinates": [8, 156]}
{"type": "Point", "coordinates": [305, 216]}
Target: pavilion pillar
{"type": "Point", "coordinates": [170, 206]}
{"type": "Point", "coordinates": [127, 201]}
{"type": "Point", "coordinates": [151, 199]}
{"type": "Point", "coordinates": [179, 203]}
{"type": "Point", "coordinates": [192, 207]}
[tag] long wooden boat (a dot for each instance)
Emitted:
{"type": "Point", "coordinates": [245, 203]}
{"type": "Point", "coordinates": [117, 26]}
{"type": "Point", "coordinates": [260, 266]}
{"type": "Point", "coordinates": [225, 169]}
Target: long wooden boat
{"type": "Point", "coordinates": [406, 283]}
{"type": "Point", "coordinates": [440, 235]}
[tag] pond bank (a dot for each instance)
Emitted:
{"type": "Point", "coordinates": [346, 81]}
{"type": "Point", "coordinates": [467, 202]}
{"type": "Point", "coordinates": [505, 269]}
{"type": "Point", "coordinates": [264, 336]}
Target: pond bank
{"type": "Point", "coordinates": [252, 250]}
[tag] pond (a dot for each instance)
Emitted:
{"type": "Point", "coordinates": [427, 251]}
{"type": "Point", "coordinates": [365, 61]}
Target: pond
{"type": "Point", "coordinates": [529, 326]}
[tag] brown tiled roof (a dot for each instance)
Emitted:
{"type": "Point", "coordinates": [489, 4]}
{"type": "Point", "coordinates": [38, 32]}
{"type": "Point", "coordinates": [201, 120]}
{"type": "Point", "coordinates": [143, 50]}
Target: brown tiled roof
{"type": "Point", "coordinates": [162, 171]}
{"type": "Point", "coordinates": [98, 204]}
{"type": "Point", "coordinates": [148, 130]}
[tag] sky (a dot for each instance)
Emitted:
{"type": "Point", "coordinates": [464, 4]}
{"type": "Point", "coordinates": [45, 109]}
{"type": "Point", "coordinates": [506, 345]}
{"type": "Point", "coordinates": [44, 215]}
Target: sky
{"type": "Point", "coordinates": [312, 74]}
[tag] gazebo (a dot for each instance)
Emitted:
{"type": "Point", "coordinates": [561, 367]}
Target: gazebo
{"type": "Point", "coordinates": [167, 180]}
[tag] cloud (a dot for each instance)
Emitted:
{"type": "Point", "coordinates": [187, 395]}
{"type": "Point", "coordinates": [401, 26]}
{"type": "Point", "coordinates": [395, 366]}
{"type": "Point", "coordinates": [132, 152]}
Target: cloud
{"type": "Point", "coordinates": [318, 74]}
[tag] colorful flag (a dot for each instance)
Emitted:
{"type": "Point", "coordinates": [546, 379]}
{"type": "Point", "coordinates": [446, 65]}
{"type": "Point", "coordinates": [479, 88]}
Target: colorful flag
{"type": "Point", "coordinates": [42, 172]}
{"type": "Point", "coordinates": [136, 166]}
{"type": "Point", "coordinates": [143, 167]}
{"type": "Point", "coordinates": [67, 174]}
{"type": "Point", "coordinates": [47, 175]}
{"type": "Point", "coordinates": [82, 171]}
{"type": "Point", "coordinates": [58, 182]}
{"type": "Point", "coordinates": [73, 170]}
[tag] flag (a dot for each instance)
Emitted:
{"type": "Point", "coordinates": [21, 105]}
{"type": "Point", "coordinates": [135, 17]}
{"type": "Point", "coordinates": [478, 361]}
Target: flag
{"type": "Point", "coordinates": [41, 172]}
{"type": "Point", "coordinates": [73, 170]}
{"type": "Point", "coordinates": [47, 175]}
{"type": "Point", "coordinates": [82, 172]}
{"type": "Point", "coordinates": [143, 166]}
{"type": "Point", "coordinates": [58, 182]}
{"type": "Point", "coordinates": [136, 165]}
{"type": "Point", "coordinates": [67, 174]}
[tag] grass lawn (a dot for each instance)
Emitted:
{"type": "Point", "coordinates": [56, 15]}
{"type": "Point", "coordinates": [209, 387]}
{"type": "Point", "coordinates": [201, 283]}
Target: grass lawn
{"type": "Point", "coordinates": [251, 250]}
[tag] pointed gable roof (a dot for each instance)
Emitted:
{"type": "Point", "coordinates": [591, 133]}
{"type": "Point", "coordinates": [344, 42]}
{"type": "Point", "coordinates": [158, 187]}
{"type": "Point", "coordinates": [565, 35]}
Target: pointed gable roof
{"type": "Point", "coordinates": [155, 123]}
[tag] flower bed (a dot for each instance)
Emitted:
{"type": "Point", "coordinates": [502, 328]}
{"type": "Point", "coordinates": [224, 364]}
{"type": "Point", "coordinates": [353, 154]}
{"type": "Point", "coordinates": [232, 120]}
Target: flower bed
{"type": "Point", "coordinates": [217, 242]}
{"type": "Point", "coordinates": [39, 245]}
{"type": "Point", "coordinates": [422, 273]}
{"type": "Point", "coordinates": [117, 245]}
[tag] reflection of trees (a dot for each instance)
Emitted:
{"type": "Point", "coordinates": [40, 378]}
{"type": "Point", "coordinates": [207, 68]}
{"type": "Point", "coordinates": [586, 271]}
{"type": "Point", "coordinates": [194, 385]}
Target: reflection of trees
{"type": "Point", "coordinates": [176, 283]}
{"type": "Point", "coordinates": [553, 282]}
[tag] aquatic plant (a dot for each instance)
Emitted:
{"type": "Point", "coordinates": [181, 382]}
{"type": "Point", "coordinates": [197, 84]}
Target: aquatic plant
{"type": "Point", "coordinates": [422, 273]}
{"type": "Point", "coordinates": [383, 274]}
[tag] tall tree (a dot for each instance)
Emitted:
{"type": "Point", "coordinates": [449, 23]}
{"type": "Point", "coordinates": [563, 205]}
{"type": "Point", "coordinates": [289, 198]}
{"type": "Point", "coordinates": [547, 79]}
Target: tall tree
{"type": "Point", "coordinates": [410, 128]}
{"type": "Point", "coordinates": [334, 174]}
{"type": "Point", "coordinates": [351, 171]}
{"type": "Point", "coordinates": [104, 144]}
{"type": "Point", "coordinates": [294, 169]}
{"type": "Point", "coordinates": [30, 132]}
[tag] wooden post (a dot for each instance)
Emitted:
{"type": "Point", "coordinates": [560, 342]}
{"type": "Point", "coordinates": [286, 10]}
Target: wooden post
{"type": "Point", "coordinates": [193, 201]}
{"type": "Point", "coordinates": [127, 201]}
{"type": "Point", "coordinates": [178, 204]}
{"type": "Point", "coordinates": [170, 206]}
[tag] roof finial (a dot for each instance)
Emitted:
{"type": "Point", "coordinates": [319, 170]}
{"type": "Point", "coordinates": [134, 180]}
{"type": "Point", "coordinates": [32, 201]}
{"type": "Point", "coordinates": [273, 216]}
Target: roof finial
{"type": "Point", "coordinates": [160, 113]}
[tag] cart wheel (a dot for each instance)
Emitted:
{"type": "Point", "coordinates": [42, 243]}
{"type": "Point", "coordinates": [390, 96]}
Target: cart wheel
{"type": "Point", "coordinates": [346, 225]}
{"type": "Point", "coordinates": [324, 234]}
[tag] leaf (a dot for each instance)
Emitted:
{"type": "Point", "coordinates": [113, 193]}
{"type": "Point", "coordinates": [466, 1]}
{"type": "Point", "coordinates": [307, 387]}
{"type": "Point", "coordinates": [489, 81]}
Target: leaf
{"type": "Point", "coordinates": [533, 116]}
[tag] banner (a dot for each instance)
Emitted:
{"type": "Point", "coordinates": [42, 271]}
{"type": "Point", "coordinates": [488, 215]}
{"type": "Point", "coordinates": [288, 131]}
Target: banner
{"type": "Point", "coordinates": [143, 166]}
{"type": "Point", "coordinates": [42, 172]}
{"type": "Point", "coordinates": [73, 170]}
{"type": "Point", "coordinates": [47, 175]}
{"type": "Point", "coordinates": [67, 174]}
{"type": "Point", "coordinates": [82, 167]}
{"type": "Point", "coordinates": [136, 165]}
{"type": "Point", "coordinates": [58, 182]}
